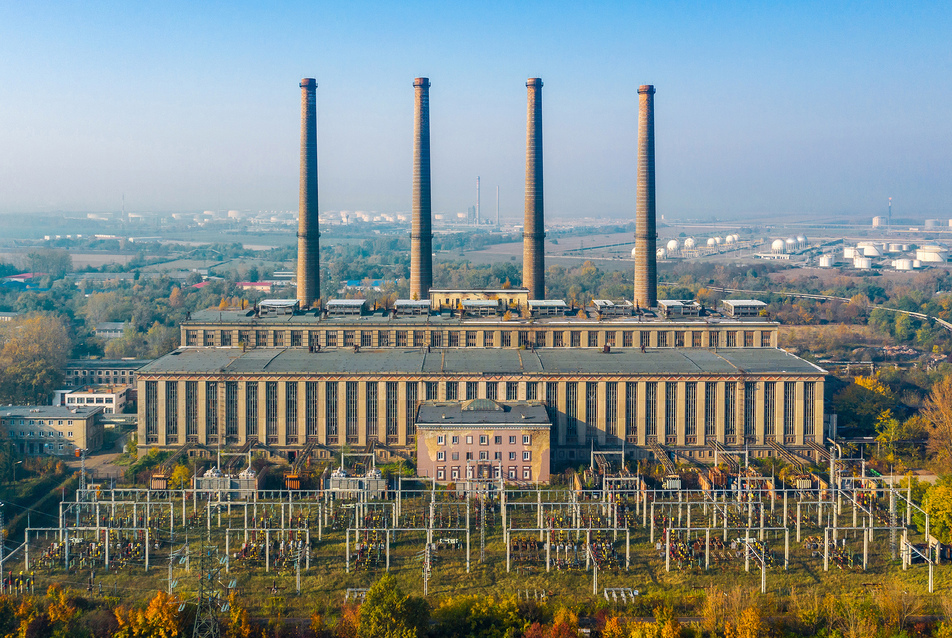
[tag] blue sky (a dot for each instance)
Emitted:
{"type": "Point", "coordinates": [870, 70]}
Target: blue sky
{"type": "Point", "coordinates": [821, 108]}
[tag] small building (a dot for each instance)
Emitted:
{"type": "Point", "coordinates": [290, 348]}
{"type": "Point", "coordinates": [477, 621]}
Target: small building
{"type": "Point", "coordinates": [51, 429]}
{"type": "Point", "coordinates": [81, 372]}
{"type": "Point", "coordinates": [482, 438]}
{"type": "Point", "coordinates": [451, 299]}
{"type": "Point", "coordinates": [743, 307]}
{"type": "Point", "coordinates": [608, 308]}
{"type": "Point", "coordinates": [111, 398]}
{"type": "Point", "coordinates": [481, 307]}
{"type": "Point", "coordinates": [278, 307]}
{"type": "Point", "coordinates": [342, 484]}
{"type": "Point", "coordinates": [256, 286]}
{"type": "Point", "coordinates": [677, 308]}
{"type": "Point", "coordinates": [411, 308]}
{"type": "Point", "coordinates": [227, 486]}
{"type": "Point", "coordinates": [547, 307]}
{"type": "Point", "coordinates": [346, 307]}
{"type": "Point", "coordinates": [109, 330]}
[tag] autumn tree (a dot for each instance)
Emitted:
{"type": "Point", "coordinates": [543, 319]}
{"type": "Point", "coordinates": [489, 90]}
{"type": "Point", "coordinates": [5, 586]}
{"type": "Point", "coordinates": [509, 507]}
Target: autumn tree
{"type": "Point", "coordinates": [937, 412]}
{"type": "Point", "coordinates": [160, 619]}
{"type": "Point", "coordinates": [389, 613]}
{"type": "Point", "coordinates": [32, 357]}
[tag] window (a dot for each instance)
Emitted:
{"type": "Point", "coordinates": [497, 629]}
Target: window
{"type": "Point", "coordinates": [370, 403]}
{"type": "Point", "coordinates": [512, 472]}
{"type": "Point", "coordinates": [296, 339]}
{"type": "Point", "coordinates": [208, 338]}
{"type": "Point", "coordinates": [678, 338]}
{"type": "Point", "coordinates": [670, 411]}
{"type": "Point", "coordinates": [527, 455]}
{"type": "Point", "coordinates": [512, 390]}
{"type": "Point", "coordinates": [483, 455]}
{"type": "Point", "coordinates": [470, 338]}
{"type": "Point", "coordinates": [527, 439]}
{"type": "Point", "coordinates": [611, 408]}
{"type": "Point", "coordinates": [631, 411]}
{"type": "Point", "coordinates": [690, 411]}
{"type": "Point", "coordinates": [469, 440]}
{"type": "Point", "coordinates": [441, 456]}
{"type": "Point", "coordinates": [512, 440]}
{"type": "Point", "coordinates": [527, 473]}
{"type": "Point", "coordinates": [261, 338]}
{"type": "Point", "coordinates": [764, 339]}
{"type": "Point", "coordinates": [731, 338]}
{"type": "Point", "coordinates": [662, 339]}
{"type": "Point", "coordinates": [809, 408]}
{"type": "Point", "coordinates": [592, 339]}
{"type": "Point", "coordinates": [491, 390]}
{"type": "Point", "coordinates": [506, 339]}
{"type": "Point", "coordinates": [436, 338]}
{"type": "Point", "coordinates": [452, 390]}
{"type": "Point", "coordinates": [271, 411]}
{"type": "Point", "coordinates": [789, 409]}
{"type": "Point", "coordinates": [770, 408]}
{"type": "Point", "coordinates": [350, 410]}
{"type": "Point", "coordinates": [610, 338]}
{"type": "Point", "coordinates": [497, 456]}
{"type": "Point", "coordinates": [279, 338]}
{"type": "Point", "coordinates": [512, 456]}
{"type": "Point", "coordinates": [471, 387]}
{"type": "Point", "coordinates": [715, 339]}
{"type": "Point", "coordinates": [455, 440]}
{"type": "Point", "coordinates": [392, 411]}
{"type": "Point", "coordinates": [540, 339]}
{"type": "Point", "coordinates": [412, 388]}
{"type": "Point", "coordinates": [750, 408]}
{"type": "Point", "coordinates": [455, 456]}
{"type": "Point", "coordinates": [575, 338]}
{"type": "Point", "coordinates": [591, 407]}
{"type": "Point", "coordinates": [383, 338]}
{"type": "Point", "coordinates": [431, 388]}
{"type": "Point", "coordinates": [730, 409]}
{"type": "Point", "coordinates": [497, 440]}
{"type": "Point", "coordinates": [523, 337]}
{"type": "Point", "coordinates": [331, 338]}
{"type": "Point", "coordinates": [440, 473]}
{"type": "Point", "coordinates": [441, 439]}
{"type": "Point", "coordinates": [291, 412]}
{"type": "Point", "coordinates": [748, 339]}
{"type": "Point", "coordinates": [695, 339]}
{"type": "Point", "coordinates": [483, 439]}
{"type": "Point", "coordinates": [417, 338]}
{"type": "Point", "coordinates": [251, 409]}
{"type": "Point", "coordinates": [401, 337]}
{"type": "Point", "coordinates": [469, 456]}
{"type": "Point", "coordinates": [455, 473]}
{"type": "Point", "coordinates": [557, 339]}
{"type": "Point", "coordinates": [532, 390]}
{"type": "Point", "coordinates": [627, 339]}
{"type": "Point", "coordinates": [331, 411]}
{"type": "Point", "coordinates": [710, 408]}
{"type": "Point", "coordinates": [191, 411]}
{"type": "Point", "coordinates": [651, 408]}
{"type": "Point", "coordinates": [191, 338]}
{"type": "Point", "coordinates": [171, 411]}
{"type": "Point", "coordinates": [571, 408]}
{"type": "Point", "coordinates": [488, 338]}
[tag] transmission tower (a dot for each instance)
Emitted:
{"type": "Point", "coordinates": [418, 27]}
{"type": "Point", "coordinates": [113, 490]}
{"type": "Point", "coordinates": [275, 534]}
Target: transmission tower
{"type": "Point", "coordinates": [209, 600]}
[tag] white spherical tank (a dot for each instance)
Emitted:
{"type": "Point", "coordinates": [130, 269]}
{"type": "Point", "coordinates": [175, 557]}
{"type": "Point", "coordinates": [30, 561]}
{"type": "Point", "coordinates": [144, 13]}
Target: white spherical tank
{"type": "Point", "coordinates": [801, 240]}
{"type": "Point", "coordinates": [634, 253]}
{"type": "Point", "coordinates": [662, 253]}
{"type": "Point", "coordinates": [826, 261]}
{"type": "Point", "coordinates": [730, 239]}
{"type": "Point", "coordinates": [673, 246]}
{"type": "Point", "coordinates": [711, 242]}
{"type": "Point", "coordinates": [778, 246]}
{"type": "Point", "coordinates": [689, 243]}
{"type": "Point", "coordinates": [862, 263]}
{"type": "Point", "coordinates": [718, 240]}
{"type": "Point", "coordinates": [791, 243]}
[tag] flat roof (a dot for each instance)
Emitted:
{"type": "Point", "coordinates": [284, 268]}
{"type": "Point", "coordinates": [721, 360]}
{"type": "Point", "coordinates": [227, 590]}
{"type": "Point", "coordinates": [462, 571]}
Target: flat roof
{"type": "Point", "coordinates": [101, 389]}
{"type": "Point", "coordinates": [485, 361]}
{"type": "Point", "coordinates": [129, 364]}
{"type": "Point", "coordinates": [348, 303]}
{"type": "Point", "coordinates": [547, 303]}
{"type": "Point", "coordinates": [455, 414]}
{"type": "Point", "coordinates": [48, 411]}
{"type": "Point", "coordinates": [414, 303]}
{"type": "Point", "coordinates": [279, 303]}
{"type": "Point", "coordinates": [478, 291]}
{"type": "Point", "coordinates": [744, 302]}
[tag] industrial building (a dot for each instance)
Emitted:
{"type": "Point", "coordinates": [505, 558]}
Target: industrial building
{"type": "Point", "coordinates": [647, 377]}
{"type": "Point", "coordinates": [57, 430]}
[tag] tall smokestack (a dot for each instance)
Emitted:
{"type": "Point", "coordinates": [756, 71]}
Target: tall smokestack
{"type": "Point", "coordinates": [533, 237]}
{"type": "Point", "coordinates": [421, 236]}
{"type": "Point", "coordinates": [646, 270]}
{"type": "Point", "coordinates": [309, 251]}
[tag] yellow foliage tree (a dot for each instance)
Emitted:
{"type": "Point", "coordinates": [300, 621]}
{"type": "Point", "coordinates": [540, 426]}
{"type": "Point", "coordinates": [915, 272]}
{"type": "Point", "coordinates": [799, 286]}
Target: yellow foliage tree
{"type": "Point", "coordinates": [874, 385]}
{"type": "Point", "coordinates": [160, 619]}
{"type": "Point", "coordinates": [181, 477]}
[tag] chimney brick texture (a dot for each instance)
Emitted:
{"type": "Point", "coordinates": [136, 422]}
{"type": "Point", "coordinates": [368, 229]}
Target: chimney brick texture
{"type": "Point", "coordinates": [533, 237]}
{"type": "Point", "coordinates": [646, 269]}
{"type": "Point", "coordinates": [421, 235]}
{"type": "Point", "coordinates": [309, 251]}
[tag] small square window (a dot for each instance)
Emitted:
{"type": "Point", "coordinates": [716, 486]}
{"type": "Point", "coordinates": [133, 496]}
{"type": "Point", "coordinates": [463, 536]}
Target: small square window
{"type": "Point", "coordinates": [512, 456]}
{"type": "Point", "coordinates": [69, 434]}
{"type": "Point", "coordinates": [512, 440]}
{"type": "Point", "coordinates": [469, 440]}
{"type": "Point", "coordinates": [455, 440]}
{"type": "Point", "coordinates": [440, 474]}
{"type": "Point", "coordinates": [455, 456]}
{"type": "Point", "coordinates": [483, 439]}
{"type": "Point", "coordinates": [497, 456]}
{"type": "Point", "coordinates": [498, 440]}
{"type": "Point", "coordinates": [441, 439]}
{"type": "Point", "coordinates": [455, 473]}
{"type": "Point", "coordinates": [441, 456]}
{"type": "Point", "coordinates": [526, 439]}
{"type": "Point", "coordinates": [512, 472]}
{"type": "Point", "coordinates": [527, 473]}
{"type": "Point", "coordinates": [527, 455]}
{"type": "Point", "coordinates": [483, 455]}
{"type": "Point", "coordinates": [469, 456]}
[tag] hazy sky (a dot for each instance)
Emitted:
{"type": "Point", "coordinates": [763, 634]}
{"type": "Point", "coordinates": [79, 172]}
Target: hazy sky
{"type": "Point", "coordinates": [761, 107]}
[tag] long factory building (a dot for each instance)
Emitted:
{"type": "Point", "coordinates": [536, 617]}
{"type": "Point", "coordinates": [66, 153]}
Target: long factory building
{"type": "Point", "coordinates": [315, 375]}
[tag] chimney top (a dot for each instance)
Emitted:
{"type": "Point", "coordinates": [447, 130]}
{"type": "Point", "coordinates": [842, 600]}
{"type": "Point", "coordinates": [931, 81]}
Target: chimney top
{"type": "Point", "coordinates": [424, 82]}
{"type": "Point", "coordinates": [308, 83]}
{"type": "Point", "coordinates": [646, 88]}
{"type": "Point", "coordinates": [534, 82]}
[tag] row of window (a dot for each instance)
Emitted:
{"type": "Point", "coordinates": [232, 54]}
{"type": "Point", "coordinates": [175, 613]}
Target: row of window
{"type": "Point", "coordinates": [680, 402]}
{"type": "Point", "coordinates": [483, 439]}
{"type": "Point", "coordinates": [454, 473]}
{"type": "Point", "coordinates": [480, 338]}
{"type": "Point", "coordinates": [9, 422]}
{"type": "Point", "coordinates": [90, 400]}
{"type": "Point", "coordinates": [484, 455]}
{"type": "Point", "coordinates": [40, 433]}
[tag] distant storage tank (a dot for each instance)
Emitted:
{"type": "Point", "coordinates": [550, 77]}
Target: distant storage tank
{"type": "Point", "coordinates": [849, 252]}
{"type": "Point", "coordinates": [718, 240]}
{"type": "Point", "coordinates": [862, 263]}
{"type": "Point", "coordinates": [916, 263]}
{"type": "Point", "coordinates": [932, 223]}
{"type": "Point", "coordinates": [895, 248]}
{"type": "Point", "coordinates": [932, 254]}
{"type": "Point", "coordinates": [903, 264]}
{"type": "Point", "coordinates": [879, 221]}
{"type": "Point", "coordinates": [778, 247]}
{"type": "Point", "coordinates": [689, 243]}
{"type": "Point", "coordinates": [730, 239]}
{"type": "Point", "coordinates": [872, 251]}
{"type": "Point", "coordinates": [711, 241]}
{"type": "Point", "coordinates": [662, 253]}
{"type": "Point", "coordinates": [791, 244]}
{"type": "Point", "coordinates": [826, 261]}
{"type": "Point", "coordinates": [673, 246]}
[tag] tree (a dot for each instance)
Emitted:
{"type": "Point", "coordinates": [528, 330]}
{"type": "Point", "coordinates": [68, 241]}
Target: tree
{"type": "Point", "coordinates": [33, 355]}
{"type": "Point", "coordinates": [937, 413]}
{"type": "Point", "coordinates": [889, 430]}
{"type": "Point", "coordinates": [938, 503]}
{"type": "Point", "coordinates": [160, 619]}
{"type": "Point", "coordinates": [388, 613]}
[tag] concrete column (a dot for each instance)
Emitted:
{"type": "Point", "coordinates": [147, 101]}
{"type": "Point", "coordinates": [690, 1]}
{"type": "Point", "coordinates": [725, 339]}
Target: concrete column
{"type": "Point", "coordinates": [720, 391]}
{"type": "Point", "coordinates": [308, 269]}
{"type": "Point", "coordinates": [646, 275]}
{"type": "Point", "coordinates": [421, 237]}
{"type": "Point", "coordinates": [640, 417]}
{"type": "Point", "coordinates": [282, 409]}
{"type": "Point", "coordinates": [680, 421]}
{"type": "Point", "coordinates": [533, 252]}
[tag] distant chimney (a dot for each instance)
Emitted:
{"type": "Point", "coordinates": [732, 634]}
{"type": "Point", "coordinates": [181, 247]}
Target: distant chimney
{"type": "Point", "coordinates": [533, 236]}
{"type": "Point", "coordinates": [421, 236]}
{"type": "Point", "coordinates": [309, 251]}
{"type": "Point", "coordinates": [646, 270]}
